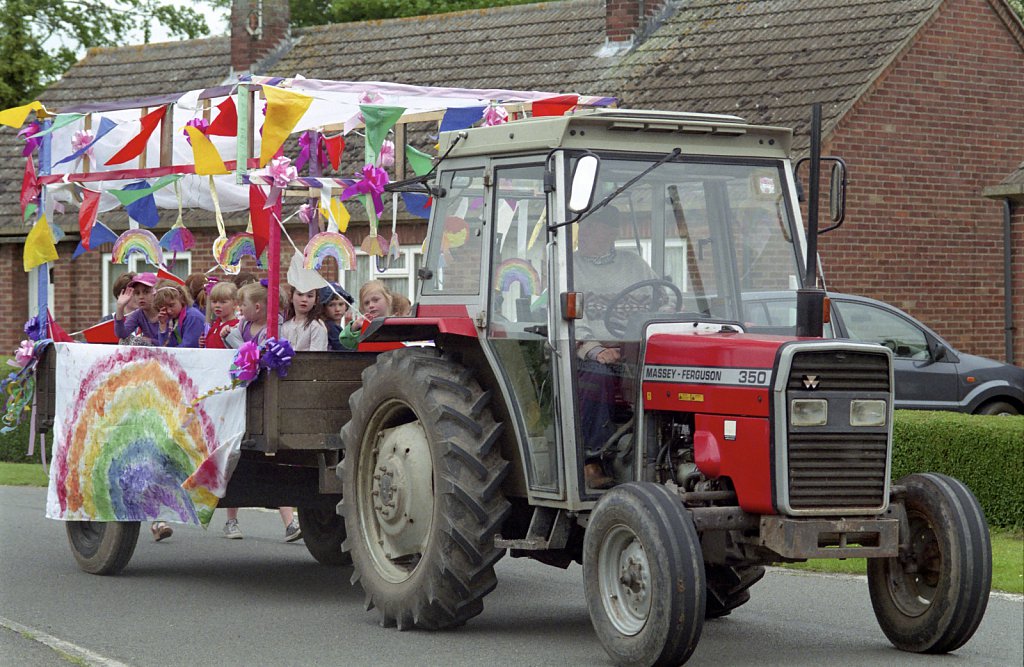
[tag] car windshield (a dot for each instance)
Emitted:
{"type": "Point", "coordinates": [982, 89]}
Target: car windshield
{"type": "Point", "coordinates": [711, 230]}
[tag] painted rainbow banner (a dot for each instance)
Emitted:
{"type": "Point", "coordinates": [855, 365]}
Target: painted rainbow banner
{"type": "Point", "coordinates": [126, 447]}
{"type": "Point", "coordinates": [329, 244]}
{"type": "Point", "coordinates": [137, 241]}
{"type": "Point", "coordinates": [237, 246]}
{"type": "Point", "coordinates": [516, 271]}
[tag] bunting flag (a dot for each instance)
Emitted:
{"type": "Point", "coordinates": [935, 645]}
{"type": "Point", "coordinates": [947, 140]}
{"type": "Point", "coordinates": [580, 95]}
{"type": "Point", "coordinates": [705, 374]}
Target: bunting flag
{"type": "Point", "coordinates": [335, 147]}
{"type": "Point", "coordinates": [284, 109]}
{"type": "Point", "coordinates": [226, 122]}
{"type": "Point", "coordinates": [29, 188]}
{"type": "Point", "coordinates": [101, 333]}
{"type": "Point", "coordinates": [15, 116]}
{"type": "Point", "coordinates": [420, 162]}
{"type": "Point", "coordinates": [259, 218]}
{"type": "Point", "coordinates": [379, 120]}
{"type": "Point", "coordinates": [459, 118]}
{"type": "Point", "coordinates": [60, 121]}
{"type": "Point", "coordinates": [141, 209]}
{"type": "Point", "coordinates": [417, 204]}
{"type": "Point", "coordinates": [135, 191]}
{"type": "Point", "coordinates": [98, 235]}
{"type": "Point", "coordinates": [163, 274]}
{"type": "Point", "coordinates": [39, 245]}
{"type": "Point", "coordinates": [205, 156]}
{"type": "Point", "coordinates": [554, 106]}
{"type": "Point", "coordinates": [87, 213]}
{"type": "Point", "coordinates": [334, 212]}
{"type": "Point", "coordinates": [134, 148]}
{"type": "Point", "coordinates": [106, 125]}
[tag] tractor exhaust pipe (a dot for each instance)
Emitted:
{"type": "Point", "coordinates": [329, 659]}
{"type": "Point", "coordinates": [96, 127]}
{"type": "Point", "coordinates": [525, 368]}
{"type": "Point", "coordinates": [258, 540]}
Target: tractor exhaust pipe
{"type": "Point", "coordinates": [810, 299]}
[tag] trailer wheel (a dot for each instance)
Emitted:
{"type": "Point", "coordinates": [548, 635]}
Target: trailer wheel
{"type": "Point", "coordinates": [323, 531]}
{"type": "Point", "coordinates": [422, 497]}
{"type": "Point", "coordinates": [102, 547]}
{"type": "Point", "coordinates": [932, 598]}
{"type": "Point", "coordinates": [643, 575]}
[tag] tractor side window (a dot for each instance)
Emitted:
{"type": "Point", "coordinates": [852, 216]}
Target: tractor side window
{"type": "Point", "coordinates": [457, 235]}
{"type": "Point", "coordinates": [519, 313]}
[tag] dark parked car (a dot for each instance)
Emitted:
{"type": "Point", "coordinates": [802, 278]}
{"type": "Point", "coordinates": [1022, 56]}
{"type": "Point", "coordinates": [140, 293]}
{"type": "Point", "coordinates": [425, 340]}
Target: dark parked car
{"type": "Point", "coordinates": [930, 373]}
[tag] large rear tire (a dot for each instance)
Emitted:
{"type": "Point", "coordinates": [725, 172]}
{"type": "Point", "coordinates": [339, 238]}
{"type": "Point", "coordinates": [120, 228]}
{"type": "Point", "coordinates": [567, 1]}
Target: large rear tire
{"type": "Point", "coordinates": [102, 547]}
{"type": "Point", "coordinates": [643, 575]}
{"type": "Point", "coordinates": [323, 532]}
{"type": "Point", "coordinates": [932, 599]}
{"type": "Point", "coordinates": [422, 499]}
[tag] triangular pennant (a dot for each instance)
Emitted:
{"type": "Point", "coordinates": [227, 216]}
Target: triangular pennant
{"type": "Point", "coordinates": [335, 147]}
{"type": "Point", "coordinates": [39, 246]}
{"type": "Point", "coordinates": [226, 122]}
{"type": "Point", "coordinates": [57, 333]}
{"type": "Point", "coordinates": [420, 162]}
{"type": "Point", "coordinates": [205, 156]}
{"type": "Point", "coordinates": [142, 209]}
{"type": "Point", "coordinates": [80, 250]}
{"type": "Point", "coordinates": [284, 109]}
{"type": "Point", "coordinates": [87, 213]}
{"type": "Point", "coordinates": [60, 121]}
{"type": "Point", "coordinates": [100, 235]}
{"type": "Point", "coordinates": [101, 333]}
{"type": "Point", "coordinates": [106, 125]}
{"type": "Point", "coordinates": [378, 121]}
{"type": "Point", "coordinates": [459, 118]}
{"type": "Point", "coordinates": [334, 211]}
{"type": "Point", "coordinates": [136, 191]}
{"type": "Point", "coordinates": [554, 106]}
{"type": "Point", "coordinates": [163, 274]}
{"type": "Point", "coordinates": [29, 186]}
{"type": "Point", "coordinates": [15, 116]}
{"type": "Point", "coordinates": [417, 204]}
{"type": "Point", "coordinates": [134, 148]}
{"type": "Point", "coordinates": [259, 218]}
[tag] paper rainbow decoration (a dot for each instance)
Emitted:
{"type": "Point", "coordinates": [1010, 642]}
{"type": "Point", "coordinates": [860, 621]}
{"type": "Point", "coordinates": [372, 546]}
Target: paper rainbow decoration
{"type": "Point", "coordinates": [129, 444]}
{"type": "Point", "coordinates": [518, 271]}
{"type": "Point", "coordinates": [237, 246]}
{"type": "Point", "coordinates": [329, 244]}
{"type": "Point", "coordinates": [177, 239]}
{"type": "Point", "coordinates": [138, 241]}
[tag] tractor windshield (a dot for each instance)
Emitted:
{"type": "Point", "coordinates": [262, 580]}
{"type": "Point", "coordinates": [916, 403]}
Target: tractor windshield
{"type": "Point", "coordinates": [689, 237]}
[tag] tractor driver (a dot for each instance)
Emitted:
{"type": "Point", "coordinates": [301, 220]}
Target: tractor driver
{"type": "Point", "coordinates": [601, 271]}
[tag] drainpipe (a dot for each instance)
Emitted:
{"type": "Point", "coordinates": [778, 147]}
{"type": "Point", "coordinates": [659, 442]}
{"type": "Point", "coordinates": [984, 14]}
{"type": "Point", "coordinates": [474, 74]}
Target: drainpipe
{"type": "Point", "coordinates": [1008, 278]}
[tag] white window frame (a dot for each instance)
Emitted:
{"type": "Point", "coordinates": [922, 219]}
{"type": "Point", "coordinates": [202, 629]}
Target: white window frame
{"type": "Point", "coordinates": [33, 291]}
{"type": "Point", "coordinates": [107, 303]}
{"type": "Point", "coordinates": [408, 272]}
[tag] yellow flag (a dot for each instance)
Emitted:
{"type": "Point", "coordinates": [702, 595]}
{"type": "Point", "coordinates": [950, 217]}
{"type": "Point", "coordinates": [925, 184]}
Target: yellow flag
{"type": "Point", "coordinates": [284, 109]}
{"type": "Point", "coordinates": [39, 246]}
{"type": "Point", "coordinates": [331, 208]}
{"type": "Point", "coordinates": [15, 116]}
{"type": "Point", "coordinates": [204, 153]}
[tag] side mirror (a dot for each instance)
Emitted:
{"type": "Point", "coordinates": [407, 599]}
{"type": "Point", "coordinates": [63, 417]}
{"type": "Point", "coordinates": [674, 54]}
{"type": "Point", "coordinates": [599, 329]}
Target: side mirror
{"type": "Point", "coordinates": [837, 192]}
{"type": "Point", "coordinates": [584, 181]}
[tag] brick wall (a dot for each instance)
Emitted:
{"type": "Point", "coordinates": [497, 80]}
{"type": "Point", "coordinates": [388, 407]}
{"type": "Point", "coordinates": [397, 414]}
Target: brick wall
{"type": "Point", "coordinates": [247, 49]}
{"type": "Point", "coordinates": [942, 124]}
{"type": "Point", "coordinates": [623, 20]}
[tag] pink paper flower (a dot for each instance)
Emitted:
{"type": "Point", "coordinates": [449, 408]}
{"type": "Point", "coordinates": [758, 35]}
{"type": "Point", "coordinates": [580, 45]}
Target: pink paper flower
{"type": "Point", "coordinates": [80, 140]}
{"type": "Point", "coordinates": [23, 354]}
{"type": "Point", "coordinates": [495, 115]}
{"type": "Point", "coordinates": [246, 365]}
{"type": "Point", "coordinates": [387, 153]}
{"type": "Point", "coordinates": [200, 123]}
{"type": "Point", "coordinates": [307, 213]}
{"type": "Point", "coordinates": [281, 170]}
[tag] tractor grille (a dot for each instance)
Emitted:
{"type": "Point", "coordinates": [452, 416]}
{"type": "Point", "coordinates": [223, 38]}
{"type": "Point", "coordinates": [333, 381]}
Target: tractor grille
{"type": "Point", "coordinates": [838, 466]}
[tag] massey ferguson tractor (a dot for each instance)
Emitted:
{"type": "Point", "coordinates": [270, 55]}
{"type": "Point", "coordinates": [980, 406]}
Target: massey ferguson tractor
{"type": "Point", "coordinates": [594, 394]}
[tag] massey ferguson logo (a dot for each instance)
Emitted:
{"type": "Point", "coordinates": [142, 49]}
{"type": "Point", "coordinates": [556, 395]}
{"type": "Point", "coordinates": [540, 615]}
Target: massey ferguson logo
{"type": "Point", "coordinates": [811, 381]}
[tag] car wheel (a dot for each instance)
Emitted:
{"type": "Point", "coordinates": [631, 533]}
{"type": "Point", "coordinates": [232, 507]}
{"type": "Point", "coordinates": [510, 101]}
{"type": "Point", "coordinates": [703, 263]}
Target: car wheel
{"type": "Point", "coordinates": [1001, 408]}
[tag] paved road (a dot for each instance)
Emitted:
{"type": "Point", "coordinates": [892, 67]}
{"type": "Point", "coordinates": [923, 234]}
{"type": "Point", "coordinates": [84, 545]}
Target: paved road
{"type": "Point", "coordinates": [202, 599]}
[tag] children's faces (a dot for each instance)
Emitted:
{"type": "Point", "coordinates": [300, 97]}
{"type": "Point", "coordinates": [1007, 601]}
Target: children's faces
{"type": "Point", "coordinates": [172, 309]}
{"type": "Point", "coordinates": [375, 305]}
{"type": "Point", "coordinates": [223, 309]}
{"type": "Point", "coordinates": [336, 309]}
{"type": "Point", "coordinates": [252, 311]}
{"type": "Point", "coordinates": [303, 302]}
{"type": "Point", "coordinates": [142, 296]}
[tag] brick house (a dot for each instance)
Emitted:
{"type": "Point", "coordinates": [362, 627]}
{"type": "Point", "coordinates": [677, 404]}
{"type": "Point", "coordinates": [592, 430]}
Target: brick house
{"type": "Point", "coordinates": [922, 98]}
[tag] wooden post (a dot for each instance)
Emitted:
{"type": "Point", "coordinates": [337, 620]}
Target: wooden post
{"type": "Point", "coordinates": [167, 137]}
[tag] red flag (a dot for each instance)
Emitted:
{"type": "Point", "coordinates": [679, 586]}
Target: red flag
{"type": "Point", "coordinates": [134, 148]}
{"type": "Point", "coordinates": [87, 215]}
{"type": "Point", "coordinates": [260, 217]}
{"type": "Point", "coordinates": [57, 334]}
{"type": "Point", "coordinates": [335, 147]}
{"type": "Point", "coordinates": [167, 275]}
{"type": "Point", "coordinates": [101, 333]}
{"type": "Point", "coordinates": [554, 106]}
{"type": "Point", "coordinates": [226, 122]}
{"type": "Point", "coordinates": [29, 186]}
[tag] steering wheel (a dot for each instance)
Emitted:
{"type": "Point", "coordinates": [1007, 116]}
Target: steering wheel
{"type": "Point", "coordinates": [615, 326]}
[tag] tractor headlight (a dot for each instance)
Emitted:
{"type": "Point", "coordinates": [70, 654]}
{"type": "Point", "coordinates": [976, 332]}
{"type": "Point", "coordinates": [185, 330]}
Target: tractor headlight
{"type": "Point", "coordinates": [808, 412]}
{"type": "Point", "coordinates": [868, 413]}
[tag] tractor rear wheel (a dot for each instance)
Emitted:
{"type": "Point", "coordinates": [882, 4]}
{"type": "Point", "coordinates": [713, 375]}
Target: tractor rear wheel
{"type": "Point", "coordinates": [323, 531]}
{"type": "Point", "coordinates": [643, 575]}
{"type": "Point", "coordinates": [102, 547]}
{"type": "Point", "coordinates": [932, 598]}
{"type": "Point", "coordinates": [422, 500]}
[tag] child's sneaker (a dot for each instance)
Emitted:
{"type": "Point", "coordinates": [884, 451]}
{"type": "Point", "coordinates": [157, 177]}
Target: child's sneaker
{"type": "Point", "coordinates": [231, 530]}
{"type": "Point", "coordinates": [160, 530]}
{"type": "Point", "coordinates": [292, 532]}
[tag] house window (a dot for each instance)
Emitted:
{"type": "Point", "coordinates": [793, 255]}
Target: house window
{"type": "Point", "coordinates": [399, 277]}
{"type": "Point", "coordinates": [33, 293]}
{"type": "Point", "coordinates": [182, 266]}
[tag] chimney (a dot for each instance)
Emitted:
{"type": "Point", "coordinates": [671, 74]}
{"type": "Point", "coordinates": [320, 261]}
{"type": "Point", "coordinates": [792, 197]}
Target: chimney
{"type": "Point", "coordinates": [629, 22]}
{"type": "Point", "coordinates": [259, 34]}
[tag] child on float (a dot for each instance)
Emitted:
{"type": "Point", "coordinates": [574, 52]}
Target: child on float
{"type": "Point", "coordinates": [375, 300]}
{"type": "Point", "coordinates": [220, 313]}
{"type": "Point", "coordinates": [337, 313]}
{"type": "Point", "coordinates": [305, 329]}
{"type": "Point", "coordinates": [180, 323]}
{"type": "Point", "coordinates": [144, 319]}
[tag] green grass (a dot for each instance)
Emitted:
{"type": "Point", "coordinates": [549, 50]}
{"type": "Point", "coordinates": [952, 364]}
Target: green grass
{"type": "Point", "coordinates": [1007, 562]}
{"type": "Point", "coordinates": [22, 474]}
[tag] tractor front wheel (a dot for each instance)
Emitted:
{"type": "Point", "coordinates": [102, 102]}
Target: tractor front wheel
{"type": "Point", "coordinates": [643, 575]}
{"type": "Point", "coordinates": [932, 597]}
{"type": "Point", "coordinates": [422, 499]}
{"type": "Point", "coordinates": [102, 547]}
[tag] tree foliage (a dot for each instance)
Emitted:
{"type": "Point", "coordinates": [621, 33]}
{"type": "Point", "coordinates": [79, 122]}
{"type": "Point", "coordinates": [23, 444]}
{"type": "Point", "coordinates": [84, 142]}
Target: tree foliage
{"type": "Point", "coordinates": [1017, 6]}
{"type": "Point", "coordinates": [318, 12]}
{"type": "Point", "coordinates": [41, 39]}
